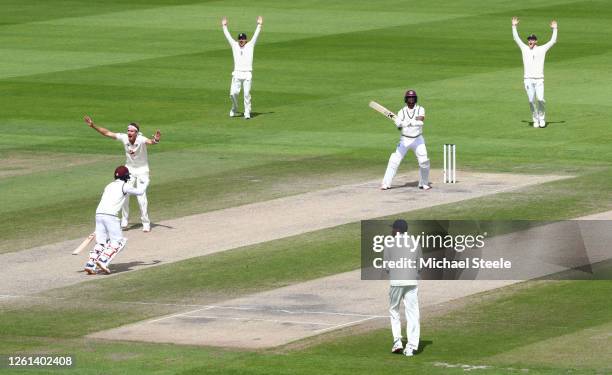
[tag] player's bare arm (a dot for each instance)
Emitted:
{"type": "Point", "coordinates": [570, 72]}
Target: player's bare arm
{"type": "Point", "coordinates": [420, 118]}
{"type": "Point", "coordinates": [155, 139]}
{"type": "Point", "coordinates": [515, 36]}
{"type": "Point", "coordinates": [229, 38]}
{"type": "Point", "coordinates": [260, 20]}
{"type": "Point", "coordinates": [105, 132]}
{"type": "Point", "coordinates": [553, 24]}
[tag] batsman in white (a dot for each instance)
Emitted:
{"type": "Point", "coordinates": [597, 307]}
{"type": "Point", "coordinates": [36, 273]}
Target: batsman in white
{"type": "Point", "coordinates": [533, 64]}
{"type": "Point", "coordinates": [109, 239]}
{"type": "Point", "coordinates": [135, 145]}
{"type": "Point", "coordinates": [242, 75]}
{"type": "Point", "coordinates": [409, 121]}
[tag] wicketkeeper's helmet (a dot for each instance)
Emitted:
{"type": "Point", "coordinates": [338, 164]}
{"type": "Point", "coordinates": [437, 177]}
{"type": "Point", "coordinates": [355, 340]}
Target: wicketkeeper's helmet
{"type": "Point", "coordinates": [122, 173]}
{"type": "Point", "coordinates": [410, 94]}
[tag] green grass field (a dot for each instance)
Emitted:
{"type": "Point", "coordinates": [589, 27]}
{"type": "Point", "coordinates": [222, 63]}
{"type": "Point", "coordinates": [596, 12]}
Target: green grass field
{"type": "Point", "coordinates": [166, 64]}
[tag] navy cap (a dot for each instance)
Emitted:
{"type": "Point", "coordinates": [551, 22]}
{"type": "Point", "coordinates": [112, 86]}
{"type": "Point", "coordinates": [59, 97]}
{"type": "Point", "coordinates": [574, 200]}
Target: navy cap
{"type": "Point", "coordinates": [400, 225]}
{"type": "Point", "coordinates": [532, 37]}
{"type": "Point", "coordinates": [242, 36]}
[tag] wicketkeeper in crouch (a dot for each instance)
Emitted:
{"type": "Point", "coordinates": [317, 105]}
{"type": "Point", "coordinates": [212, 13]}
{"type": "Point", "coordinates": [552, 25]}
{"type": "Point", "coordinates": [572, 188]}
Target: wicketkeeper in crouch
{"type": "Point", "coordinates": [533, 64]}
{"type": "Point", "coordinates": [242, 75]}
{"type": "Point", "coordinates": [109, 239]}
{"type": "Point", "coordinates": [409, 121]}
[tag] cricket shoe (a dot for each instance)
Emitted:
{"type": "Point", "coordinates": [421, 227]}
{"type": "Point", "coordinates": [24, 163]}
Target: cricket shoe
{"type": "Point", "coordinates": [425, 187]}
{"type": "Point", "coordinates": [384, 187]}
{"type": "Point", "coordinates": [542, 123]}
{"type": "Point", "coordinates": [398, 347]}
{"type": "Point", "coordinates": [536, 122]}
{"type": "Point", "coordinates": [232, 113]}
{"type": "Point", "coordinates": [247, 116]}
{"type": "Point", "coordinates": [146, 227]}
{"type": "Point", "coordinates": [90, 268]}
{"type": "Point", "coordinates": [124, 223]}
{"type": "Point", "coordinates": [408, 352]}
{"type": "Point", "coordinates": [103, 264]}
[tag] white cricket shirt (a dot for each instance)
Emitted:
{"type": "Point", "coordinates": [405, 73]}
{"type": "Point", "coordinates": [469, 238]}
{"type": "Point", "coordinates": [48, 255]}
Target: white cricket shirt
{"type": "Point", "coordinates": [114, 196]}
{"type": "Point", "coordinates": [136, 154]}
{"type": "Point", "coordinates": [406, 118]}
{"type": "Point", "coordinates": [407, 275]}
{"type": "Point", "coordinates": [243, 56]}
{"type": "Point", "coordinates": [533, 58]}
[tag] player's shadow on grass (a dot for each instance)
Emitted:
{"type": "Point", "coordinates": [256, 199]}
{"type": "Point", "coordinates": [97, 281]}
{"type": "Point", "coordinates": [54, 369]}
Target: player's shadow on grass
{"type": "Point", "coordinates": [129, 266]}
{"type": "Point", "coordinates": [255, 114]}
{"type": "Point", "coordinates": [422, 345]}
{"type": "Point", "coordinates": [530, 123]}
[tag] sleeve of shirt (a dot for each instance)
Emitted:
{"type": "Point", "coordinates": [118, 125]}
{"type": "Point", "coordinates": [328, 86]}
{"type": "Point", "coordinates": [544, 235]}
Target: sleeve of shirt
{"type": "Point", "coordinates": [387, 257]}
{"type": "Point", "coordinates": [414, 121]}
{"type": "Point", "coordinates": [127, 189]}
{"type": "Point", "coordinates": [419, 256]}
{"type": "Point", "coordinates": [517, 39]}
{"type": "Point", "coordinates": [121, 137]}
{"type": "Point", "coordinates": [256, 34]}
{"type": "Point", "coordinates": [552, 41]}
{"type": "Point", "coordinates": [399, 118]}
{"type": "Point", "coordinates": [229, 38]}
{"type": "Point", "coordinates": [142, 140]}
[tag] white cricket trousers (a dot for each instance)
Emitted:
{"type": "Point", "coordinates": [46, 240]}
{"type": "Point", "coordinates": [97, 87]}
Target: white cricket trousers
{"type": "Point", "coordinates": [535, 90]}
{"type": "Point", "coordinates": [108, 228]}
{"type": "Point", "coordinates": [418, 146]}
{"type": "Point", "coordinates": [408, 294]}
{"type": "Point", "coordinates": [137, 180]}
{"type": "Point", "coordinates": [241, 80]}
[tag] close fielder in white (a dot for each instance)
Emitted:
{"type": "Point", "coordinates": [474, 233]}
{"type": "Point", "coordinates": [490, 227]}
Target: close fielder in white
{"type": "Point", "coordinates": [135, 145]}
{"type": "Point", "coordinates": [533, 63]}
{"type": "Point", "coordinates": [409, 121]}
{"type": "Point", "coordinates": [403, 287]}
{"type": "Point", "coordinates": [242, 75]}
{"type": "Point", "coordinates": [109, 239]}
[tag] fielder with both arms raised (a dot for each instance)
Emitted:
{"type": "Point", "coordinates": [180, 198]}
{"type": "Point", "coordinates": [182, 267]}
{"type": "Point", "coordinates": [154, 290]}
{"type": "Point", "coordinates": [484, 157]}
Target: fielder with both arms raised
{"type": "Point", "coordinates": [409, 121]}
{"type": "Point", "coordinates": [242, 75]}
{"type": "Point", "coordinates": [533, 64]}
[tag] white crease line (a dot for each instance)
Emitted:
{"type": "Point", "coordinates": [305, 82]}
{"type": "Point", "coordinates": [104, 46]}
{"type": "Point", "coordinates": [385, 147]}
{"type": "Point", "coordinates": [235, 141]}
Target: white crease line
{"type": "Point", "coordinates": [160, 304]}
{"type": "Point", "coordinates": [206, 307]}
{"type": "Point", "coordinates": [175, 315]}
{"type": "Point", "coordinates": [258, 320]}
{"type": "Point", "coordinates": [344, 325]}
{"type": "Point", "coordinates": [298, 311]}
{"type": "Point", "coordinates": [9, 296]}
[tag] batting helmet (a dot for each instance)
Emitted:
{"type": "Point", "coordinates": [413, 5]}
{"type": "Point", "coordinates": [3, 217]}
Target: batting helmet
{"type": "Point", "coordinates": [410, 94]}
{"type": "Point", "coordinates": [122, 173]}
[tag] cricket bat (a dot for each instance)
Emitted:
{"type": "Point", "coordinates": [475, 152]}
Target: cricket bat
{"type": "Point", "coordinates": [84, 244]}
{"type": "Point", "coordinates": [382, 110]}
